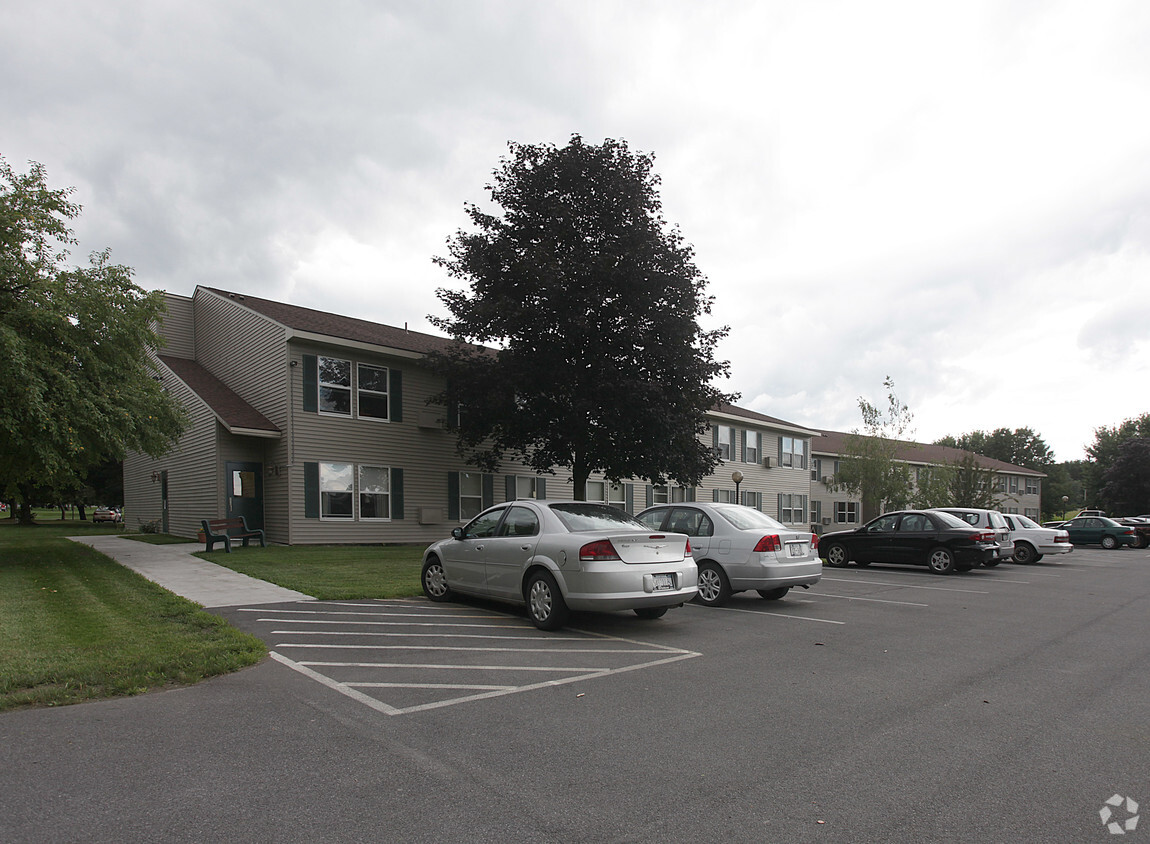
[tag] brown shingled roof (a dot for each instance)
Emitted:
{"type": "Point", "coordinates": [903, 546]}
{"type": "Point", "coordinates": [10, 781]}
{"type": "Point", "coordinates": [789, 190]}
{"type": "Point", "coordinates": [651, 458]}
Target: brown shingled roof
{"type": "Point", "coordinates": [344, 327]}
{"type": "Point", "coordinates": [734, 410]}
{"type": "Point", "coordinates": [232, 410]}
{"type": "Point", "coordinates": [834, 442]}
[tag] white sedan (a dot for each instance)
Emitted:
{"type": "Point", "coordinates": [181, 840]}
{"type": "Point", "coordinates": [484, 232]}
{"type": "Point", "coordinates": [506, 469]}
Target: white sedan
{"type": "Point", "coordinates": [1032, 541]}
{"type": "Point", "coordinates": [558, 556]}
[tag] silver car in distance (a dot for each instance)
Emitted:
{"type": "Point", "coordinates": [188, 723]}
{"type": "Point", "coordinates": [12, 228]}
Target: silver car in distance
{"type": "Point", "coordinates": [739, 548]}
{"type": "Point", "coordinates": [557, 556]}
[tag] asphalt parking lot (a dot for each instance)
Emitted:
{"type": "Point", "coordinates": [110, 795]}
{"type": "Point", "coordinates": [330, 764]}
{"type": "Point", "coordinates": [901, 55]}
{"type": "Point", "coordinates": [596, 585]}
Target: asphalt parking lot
{"type": "Point", "coordinates": [884, 704]}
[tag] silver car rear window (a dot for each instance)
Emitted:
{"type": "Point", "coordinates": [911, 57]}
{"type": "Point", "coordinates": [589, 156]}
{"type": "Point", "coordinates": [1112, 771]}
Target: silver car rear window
{"type": "Point", "coordinates": [744, 518]}
{"type": "Point", "coordinates": [579, 517]}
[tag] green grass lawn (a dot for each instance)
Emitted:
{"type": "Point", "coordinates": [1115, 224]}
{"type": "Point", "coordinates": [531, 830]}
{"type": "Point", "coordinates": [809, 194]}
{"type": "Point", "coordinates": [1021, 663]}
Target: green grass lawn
{"type": "Point", "coordinates": [75, 625]}
{"type": "Point", "coordinates": [331, 572]}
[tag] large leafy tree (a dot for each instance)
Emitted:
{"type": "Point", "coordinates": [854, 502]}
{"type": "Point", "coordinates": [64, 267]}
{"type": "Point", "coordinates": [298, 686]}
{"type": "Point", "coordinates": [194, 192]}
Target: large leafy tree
{"type": "Point", "coordinates": [1020, 447]}
{"type": "Point", "coordinates": [589, 304]}
{"type": "Point", "coordinates": [1126, 483]}
{"type": "Point", "coordinates": [870, 467]}
{"type": "Point", "coordinates": [74, 342]}
{"type": "Point", "coordinates": [1103, 455]}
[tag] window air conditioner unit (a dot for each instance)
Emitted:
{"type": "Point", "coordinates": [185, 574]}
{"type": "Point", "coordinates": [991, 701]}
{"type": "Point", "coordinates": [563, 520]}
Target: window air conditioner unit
{"type": "Point", "coordinates": [828, 480]}
{"type": "Point", "coordinates": [430, 418]}
{"type": "Point", "coordinates": [770, 462]}
{"type": "Point", "coordinates": [826, 520]}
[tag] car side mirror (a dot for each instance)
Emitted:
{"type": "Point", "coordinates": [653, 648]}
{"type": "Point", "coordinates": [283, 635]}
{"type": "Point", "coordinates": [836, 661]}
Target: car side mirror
{"type": "Point", "coordinates": [457, 533]}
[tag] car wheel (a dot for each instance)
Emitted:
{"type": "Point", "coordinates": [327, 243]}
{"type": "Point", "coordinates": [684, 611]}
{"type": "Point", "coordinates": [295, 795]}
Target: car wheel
{"type": "Point", "coordinates": [545, 604]}
{"type": "Point", "coordinates": [837, 556]}
{"type": "Point", "coordinates": [941, 561]}
{"type": "Point", "coordinates": [714, 588]}
{"type": "Point", "coordinates": [1109, 543]}
{"type": "Point", "coordinates": [650, 612]}
{"type": "Point", "coordinates": [774, 594]}
{"type": "Point", "coordinates": [434, 580]}
{"type": "Point", "coordinates": [1037, 557]}
{"type": "Point", "coordinates": [1141, 541]}
{"type": "Point", "coordinates": [1024, 553]}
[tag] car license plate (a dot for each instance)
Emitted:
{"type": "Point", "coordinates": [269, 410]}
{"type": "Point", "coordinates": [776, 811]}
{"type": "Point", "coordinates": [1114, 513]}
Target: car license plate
{"type": "Point", "coordinates": [664, 581]}
{"type": "Point", "coordinates": [796, 549]}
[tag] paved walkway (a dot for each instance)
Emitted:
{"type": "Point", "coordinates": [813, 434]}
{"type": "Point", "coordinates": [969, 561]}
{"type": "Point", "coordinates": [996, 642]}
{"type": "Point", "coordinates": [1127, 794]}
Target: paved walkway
{"type": "Point", "coordinates": [174, 568]}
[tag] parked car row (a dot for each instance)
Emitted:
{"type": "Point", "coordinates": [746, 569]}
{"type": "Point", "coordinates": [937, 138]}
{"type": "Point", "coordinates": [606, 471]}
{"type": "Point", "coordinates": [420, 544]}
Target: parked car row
{"type": "Point", "coordinates": [557, 556]}
{"type": "Point", "coordinates": [1109, 533]}
{"type": "Point", "coordinates": [945, 540]}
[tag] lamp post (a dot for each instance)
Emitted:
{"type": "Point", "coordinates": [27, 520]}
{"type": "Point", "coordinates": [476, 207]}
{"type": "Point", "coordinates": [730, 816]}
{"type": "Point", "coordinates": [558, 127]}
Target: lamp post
{"type": "Point", "coordinates": [737, 477]}
{"type": "Point", "coordinates": [1065, 505]}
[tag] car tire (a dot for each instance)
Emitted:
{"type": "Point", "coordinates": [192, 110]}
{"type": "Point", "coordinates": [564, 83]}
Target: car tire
{"type": "Point", "coordinates": [545, 605]}
{"type": "Point", "coordinates": [714, 588]}
{"type": "Point", "coordinates": [941, 561]}
{"type": "Point", "coordinates": [434, 580]}
{"type": "Point", "coordinates": [1109, 543]}
{"type": "Point", "coordinates": [650, 612]}
{"type": "Point", "coordinates": [992, 563]}
{"type": "Point", "coordinates": [1024, 553]}
{"type": "Point", "coordinates": [1141, 541]}
{"type": "Point", "coordinates": [838, 556]}
{"type": "Point", "coordinates": [773, 594]}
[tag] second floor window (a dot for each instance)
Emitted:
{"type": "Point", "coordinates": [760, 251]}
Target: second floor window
{"type": "Point", "coordinates": [754, 451]}
{"type": "Point", "coordinates": [334, 386]}
{"type": "Point", "coordinates": [372, 392]}
{"type": "Point", "coordinates": [726, 442]}
{"type": "Point", "coordinates": [793, 452]}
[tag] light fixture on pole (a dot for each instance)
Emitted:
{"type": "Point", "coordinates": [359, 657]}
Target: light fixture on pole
{"type": "Point", "coordinates": [737, 477]}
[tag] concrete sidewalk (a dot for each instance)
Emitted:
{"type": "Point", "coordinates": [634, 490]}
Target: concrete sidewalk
{"type": "Point", "coordinates": [174, 568]}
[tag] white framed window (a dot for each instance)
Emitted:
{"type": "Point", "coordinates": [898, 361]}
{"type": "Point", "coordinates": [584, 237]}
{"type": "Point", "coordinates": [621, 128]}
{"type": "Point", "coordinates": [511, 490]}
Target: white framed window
{"type": "Point", "coordinates": [470, 495]}
{"type": "Point", "coordinates": [846, 512]}
{"type": "Point", "coordinates": [1014, 484]}
{"type": "Point", "coordinates": [660, 495]}
{"type": "Point", "coordinates": [1031, 512]}
{"type": "Point", "coordinates": [792, 508]}
{"type": "Point", "coordinates": [793, 452]}
{"type": "Point", "coordinates": [374, 492]}
{"type": "Point", "coordinates": [752, 499]}
{"type": "Point", "coordinates": [371, 383]}
{"type": "Point", "coordinates": [816, 468]}
{"type": "Point", "coordinates": [754, 452]}
{"type": "Point", "coordinates": [617, 495]}
{"type": "Point", "coordinates": [816, 512]}
{"type": "Point", "coordinates": [1032, 486]}
{"type": "Point", "coordinates": [526, 487]}
{"type": "Point", "coordinates": [596, 491]}
{"type": "Point", "coordinates": [336, 490]}
{"type": "Point", "coordinates": [725, 496]}
{"type": "Point", "coordinates": [726, 436]}
{"type": "Point", "coordinates": [334, 386]}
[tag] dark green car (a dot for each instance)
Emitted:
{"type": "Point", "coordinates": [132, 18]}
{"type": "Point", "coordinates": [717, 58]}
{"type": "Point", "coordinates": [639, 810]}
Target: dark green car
{"type": "Point", "coordinates": [1098, 530]}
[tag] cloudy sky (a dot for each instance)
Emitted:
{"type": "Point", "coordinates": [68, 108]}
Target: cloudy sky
{"type": "Point", "coordinates": [954, 194]}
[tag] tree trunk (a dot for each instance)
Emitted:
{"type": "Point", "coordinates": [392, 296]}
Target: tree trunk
{"type": "Point", "coordinates": [579, 475]}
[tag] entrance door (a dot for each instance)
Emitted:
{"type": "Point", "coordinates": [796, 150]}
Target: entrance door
{"type": "Point", "coordinates": [164, 501]}
{"type": "Point", "coordinates": [245, 492]}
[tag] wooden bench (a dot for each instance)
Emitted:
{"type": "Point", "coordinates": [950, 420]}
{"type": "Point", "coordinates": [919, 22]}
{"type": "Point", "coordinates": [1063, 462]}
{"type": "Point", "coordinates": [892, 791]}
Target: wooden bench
{"type": "Point", "coordinates": [225, 530]}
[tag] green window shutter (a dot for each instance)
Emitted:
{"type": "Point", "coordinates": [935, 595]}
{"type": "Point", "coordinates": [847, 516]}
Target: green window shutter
{"type": "Point", "coordinates": [743, 446]}
{"type": "Point", "coordinates": [395, 394]}
{"type": "Point", "coordinates": [488, 491]}
{"type": "Point", "coordinates": [509, 488]}
{"type": "Point", "coordinates": [397, 493]}
{"type": "Point", "coordinates": [541, 487]}
{"type": "Point", "coordinates": [690, 493]}
{"type": "Point", "coordinates": [452, 415]}
{"type": "Point", "coordinates": [715, 495]}
{"type": "Point", "coordinates": [650, 499]}
{"type": "Point", "coordinates": [311, 489]}
{"type": "Point", "coordinates": [629, 497]}
{"type": "Point", "coordinates": [453, 496]}
{"type": "Point", "coordinates": [715, 438]}
{"type": "Point", "coordinates": [310, 385]}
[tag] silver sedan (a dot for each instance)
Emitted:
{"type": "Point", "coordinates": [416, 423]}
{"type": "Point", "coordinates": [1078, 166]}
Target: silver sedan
{"type": "Point", "coordinates": [558, 556]}
{"type": "Point", "coordinates": [739, 548]}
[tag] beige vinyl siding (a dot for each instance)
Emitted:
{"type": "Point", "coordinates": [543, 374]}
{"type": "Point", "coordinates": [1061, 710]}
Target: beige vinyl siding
{"type": "Point", "coordinates": [178, 327]}
{"type": "Point", "coordinates": [193, 485]}
{"type": "Point", "coordinates": [246, 351]}
{"type": "Point", "coordinates": [424, 454]}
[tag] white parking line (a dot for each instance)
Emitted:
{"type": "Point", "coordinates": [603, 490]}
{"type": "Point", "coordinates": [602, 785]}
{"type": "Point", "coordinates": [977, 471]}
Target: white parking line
{"type": "Point", "coordinates": [449, 648]}
{"type": "Point", "coordinates": [905, 585]}
{"type": "Point", "coordinates": [871, 600]}
{"type": "Point", "coordinates": [768, 614]}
